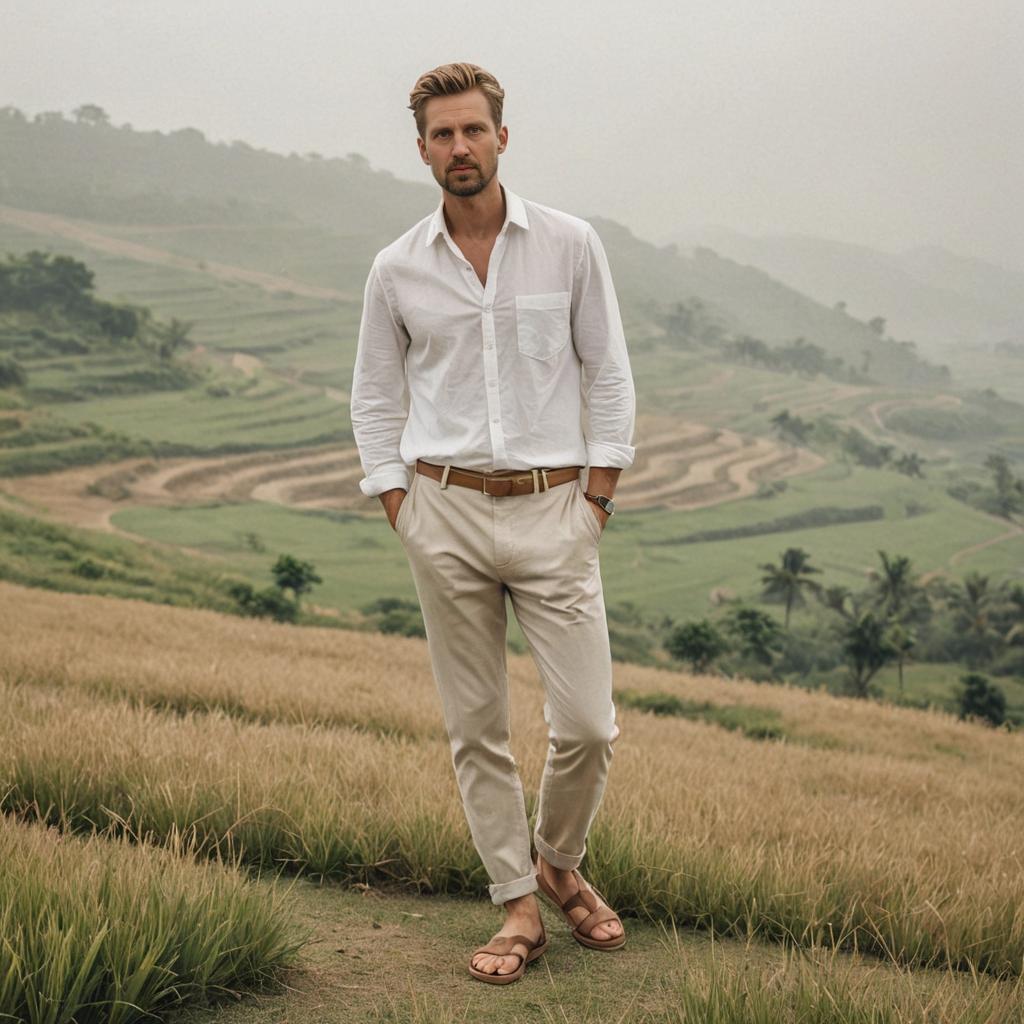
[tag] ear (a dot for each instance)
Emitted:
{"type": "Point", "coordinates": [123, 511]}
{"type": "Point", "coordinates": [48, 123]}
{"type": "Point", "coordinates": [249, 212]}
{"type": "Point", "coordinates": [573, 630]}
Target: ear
{"type": "Point", "coordinates": [422, 146]}
{"type": "Point", "coordinates": [503, 138]}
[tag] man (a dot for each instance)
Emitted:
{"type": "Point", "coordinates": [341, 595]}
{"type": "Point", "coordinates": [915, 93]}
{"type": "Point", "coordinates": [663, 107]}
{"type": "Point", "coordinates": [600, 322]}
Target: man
{"type": "Point", "coordinates": [491, 357]}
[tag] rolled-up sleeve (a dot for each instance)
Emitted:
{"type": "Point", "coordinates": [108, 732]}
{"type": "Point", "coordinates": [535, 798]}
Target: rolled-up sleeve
{"type": "Point", "coordinates": [379, 403]}
{"type": "Point", "coordinates": [608, 392]}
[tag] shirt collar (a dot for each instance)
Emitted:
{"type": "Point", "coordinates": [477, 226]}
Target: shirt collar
{"type": "Point", "coordinates": [515, 213]}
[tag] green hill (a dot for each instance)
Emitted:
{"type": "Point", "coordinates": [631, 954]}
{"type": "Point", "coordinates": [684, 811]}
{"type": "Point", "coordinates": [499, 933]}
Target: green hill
{"type": "Point", "coordinates": [320, 221]}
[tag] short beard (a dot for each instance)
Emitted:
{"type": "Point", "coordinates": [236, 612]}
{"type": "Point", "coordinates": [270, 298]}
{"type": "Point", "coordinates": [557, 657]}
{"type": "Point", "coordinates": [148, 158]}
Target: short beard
{"type": "Point", "coordinates": [469, 188]}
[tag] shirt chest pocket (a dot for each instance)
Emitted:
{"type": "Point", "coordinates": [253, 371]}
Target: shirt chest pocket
{"type": "Point", "coordinates": [542, 324]}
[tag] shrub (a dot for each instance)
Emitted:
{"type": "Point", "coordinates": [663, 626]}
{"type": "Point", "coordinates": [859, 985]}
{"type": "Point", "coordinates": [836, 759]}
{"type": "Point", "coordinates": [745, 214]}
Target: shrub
{"type": "Point", "coordinates": [978, 698]}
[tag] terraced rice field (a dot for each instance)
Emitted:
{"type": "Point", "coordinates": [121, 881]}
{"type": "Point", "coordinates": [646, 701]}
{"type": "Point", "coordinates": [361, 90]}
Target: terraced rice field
{"type": "Point", "coordinates": [679, 466]}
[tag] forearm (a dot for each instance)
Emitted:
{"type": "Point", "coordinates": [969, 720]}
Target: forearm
{"type": "Point", "coordinates": [602, 480]}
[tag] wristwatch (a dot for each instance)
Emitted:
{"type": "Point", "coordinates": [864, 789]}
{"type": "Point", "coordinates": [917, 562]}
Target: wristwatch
{"type": "Point", "coordinates": [603, 501]}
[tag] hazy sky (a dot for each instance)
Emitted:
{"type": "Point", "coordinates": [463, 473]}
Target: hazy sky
{"type": "Point", "coordinates": [888, 122]}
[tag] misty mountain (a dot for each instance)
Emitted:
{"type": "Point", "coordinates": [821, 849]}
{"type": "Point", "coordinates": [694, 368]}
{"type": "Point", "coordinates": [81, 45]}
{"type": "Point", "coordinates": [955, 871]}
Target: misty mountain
{"type": "Point", "coordinates": [927, 293]}
{"type": "Point", "coordinates": [322, 220]}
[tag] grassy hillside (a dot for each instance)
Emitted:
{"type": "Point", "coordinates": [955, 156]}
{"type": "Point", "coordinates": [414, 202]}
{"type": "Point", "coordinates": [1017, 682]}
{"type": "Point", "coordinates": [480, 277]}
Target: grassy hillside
{"type": "Point", "coordinates": [875, 844]}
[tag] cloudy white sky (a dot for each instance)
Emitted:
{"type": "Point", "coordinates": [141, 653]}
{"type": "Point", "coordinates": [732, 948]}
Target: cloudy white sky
{"type": "Point", "coordinates": [888, 122]}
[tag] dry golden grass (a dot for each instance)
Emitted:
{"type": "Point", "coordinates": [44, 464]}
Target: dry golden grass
{"type": "Point", "coordinates": [904, 838]}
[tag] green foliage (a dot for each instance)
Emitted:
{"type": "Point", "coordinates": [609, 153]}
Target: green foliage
{"type": "Point", "coordinates": [1009, 488]}
{"type": "Point", "coordinates": [88, 569]}
{"type": "Point", "coordinates": [293, 574]}
{"type": "Point", "coordinates": [396, 616]}
{"type": "Point", "coordinates": [981, 699]}
{"type": "Point", "coordinates": [787, 581]}
{"type": "Point", "coordinates": [974, 605]}
{"type": "Point", "coordinates": [867, 647]}
{"type": "Point", "coordinates": [753, 722]}
{"type": "Point", "coordinates": [12, 374]}
{"type": "Point", "coordinates": [269, 603]}
{"type": "Point", "coordinates": [864, 451]}
{"type": "Point", "coordinates": [699, 643]}
{"type": "Point", "coordinates": [792, 428]}
{"type": "Point", "coordinates": [109, 929]}
{"type": "Point", "coordinates": [36, 553]}
{"type": "Point", "coordinates": [809, 519]}
{"type": "Point", "coordinates": [799, 356]}
{"type": "Point", "coordinates": [758, 635]}
{"type": "Point", "coordinates": [44, 282]}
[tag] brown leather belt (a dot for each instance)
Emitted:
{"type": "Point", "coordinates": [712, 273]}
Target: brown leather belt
{"type": "Point", "coordinates": [502, 484]}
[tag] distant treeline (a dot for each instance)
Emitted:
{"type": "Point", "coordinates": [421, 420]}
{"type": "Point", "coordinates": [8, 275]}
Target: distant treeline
{"type": "Point", "coordinates": [692, 324]}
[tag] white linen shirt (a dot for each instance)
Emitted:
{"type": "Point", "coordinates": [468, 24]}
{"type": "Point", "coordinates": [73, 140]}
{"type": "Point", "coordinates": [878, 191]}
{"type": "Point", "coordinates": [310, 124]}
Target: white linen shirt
{"type": "Point", "coordinates": [526, 372]}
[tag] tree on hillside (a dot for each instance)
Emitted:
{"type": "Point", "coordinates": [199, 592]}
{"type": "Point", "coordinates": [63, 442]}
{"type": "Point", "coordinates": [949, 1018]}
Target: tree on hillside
{"type": "Point", "coordinates": [12, 375]}
{"type": "Point", "coordinates": [269, 603]}
{"type": "Point", "coordinates": [90, 113]}
{"type": "Point", "coordinates": [974, 602]}
{"type": "Point", "coordinates": [1009, 489]}
{"type": "Point", "coordinates": [41, 280]}
{"type": "Point", "coordinates": [877, 324]}
{"type": "Point", "coordinates": [788, 580]}
{"type": "Point", "coordinates": [894, 587]}
{"type": "Point", "coordinates": [791, 428]}
{"type": "Point", "coordinates": [979, 698]}
{"type": "Point", "coordinates": [835, 598]}
{"type": "Point", "coordinates": [297, 576]}
{"type": "Point", "coordinates": [909, 464]}
{"type": "Point", "coordinates": [1015, 615]}
{"type": "Point", "coordinates": [902, 638]}
{"type": "Point", "coordinates": [867, 647]}
{"type": "Point", "coordinates": [172, 336]}
{"type": "Point", "coordinates": [699, 643]}
{"type": "Point", "coordinates": [757, 633]}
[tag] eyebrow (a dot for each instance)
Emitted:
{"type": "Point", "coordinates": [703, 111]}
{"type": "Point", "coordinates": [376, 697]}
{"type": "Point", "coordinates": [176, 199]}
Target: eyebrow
{"type": "Point", "coordinates": [469, 124]}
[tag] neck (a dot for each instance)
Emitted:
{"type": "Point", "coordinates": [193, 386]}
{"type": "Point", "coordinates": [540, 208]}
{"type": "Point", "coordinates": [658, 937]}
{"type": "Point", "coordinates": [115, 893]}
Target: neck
{"type": "Point", "coordinates": [479, 216]}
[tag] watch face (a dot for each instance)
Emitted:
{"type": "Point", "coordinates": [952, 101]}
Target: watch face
{"type": "Point", "coordinates": [607, 504]}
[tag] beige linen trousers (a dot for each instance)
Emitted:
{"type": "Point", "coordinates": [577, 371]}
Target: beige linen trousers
{"type": "Point", "coordinates": [465, 550]}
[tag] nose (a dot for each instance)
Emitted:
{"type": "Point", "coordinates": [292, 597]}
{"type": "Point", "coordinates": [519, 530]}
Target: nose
{"type": "Point", "coordinates": [460, 148]}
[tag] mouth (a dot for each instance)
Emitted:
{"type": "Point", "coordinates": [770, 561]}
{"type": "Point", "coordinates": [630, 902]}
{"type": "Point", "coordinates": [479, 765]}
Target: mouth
{"type": "Point", "coordinates": [463, 168]}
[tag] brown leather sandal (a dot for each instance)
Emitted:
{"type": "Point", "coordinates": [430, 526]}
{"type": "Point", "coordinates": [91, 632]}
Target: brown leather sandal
{"type": "Point", "coordinates": [503, 946]}
{"type": "Point", "coordinates": [600, 912]}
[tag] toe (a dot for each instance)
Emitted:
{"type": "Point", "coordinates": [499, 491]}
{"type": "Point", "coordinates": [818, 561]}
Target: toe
{"type": "Point", "coordinates": [484, 962]}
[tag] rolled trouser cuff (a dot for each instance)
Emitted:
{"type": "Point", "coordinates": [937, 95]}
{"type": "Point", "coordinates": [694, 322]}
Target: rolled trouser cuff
{"type": "Point", "coordinates": [510, 890]}
{"type": "Point", "coordinates": [562, 861]}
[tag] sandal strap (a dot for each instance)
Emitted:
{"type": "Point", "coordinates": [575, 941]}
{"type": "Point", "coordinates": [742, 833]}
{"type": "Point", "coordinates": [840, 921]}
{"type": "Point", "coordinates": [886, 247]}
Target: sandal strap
{"type": "Point", "coordinates": [501, 945]}
{"type": "Point", "coordinates": [599, 916]}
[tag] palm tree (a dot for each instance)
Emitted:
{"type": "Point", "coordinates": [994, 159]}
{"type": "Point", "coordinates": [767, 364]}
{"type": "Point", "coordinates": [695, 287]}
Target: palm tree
{"type": "Point", "coordinates": [835, 597]}
{"type": "Point", "coordinates": [974, 601]}
{"type": "Point", "coordinates": [894, 586]}
{"type": "Point", "coordinates": [902, 639]}
{"type": "Point", "coordinates": [787, 581]}
{"type": "Point", "coordinates": [867, 646]}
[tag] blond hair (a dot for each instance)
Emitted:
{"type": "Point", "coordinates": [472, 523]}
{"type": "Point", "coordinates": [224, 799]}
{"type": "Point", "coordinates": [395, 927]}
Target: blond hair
{"type": "Point", "coordinates": [449, 80]}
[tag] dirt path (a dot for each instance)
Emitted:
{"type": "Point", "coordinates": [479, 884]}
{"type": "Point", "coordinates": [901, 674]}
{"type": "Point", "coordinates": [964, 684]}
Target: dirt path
{"type": "Point", "coordinates": [1015, 530]}
{"type": "Point", "coordinates": [876, 409]}
{"type": "Point", "coordinates": [92, 235]}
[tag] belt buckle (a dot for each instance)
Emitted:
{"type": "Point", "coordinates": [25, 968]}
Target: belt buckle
{"type": "Point", "coordinates": [504, 479]}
